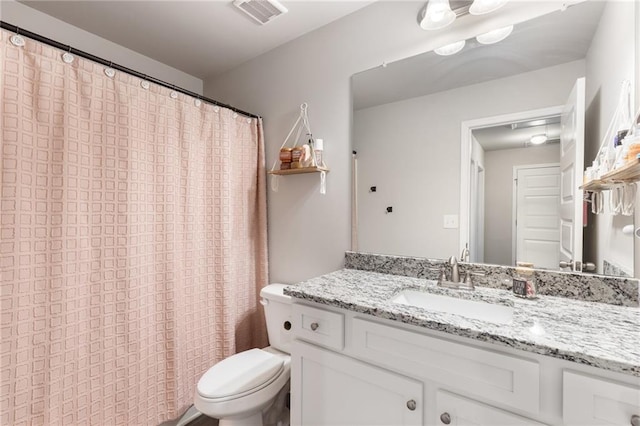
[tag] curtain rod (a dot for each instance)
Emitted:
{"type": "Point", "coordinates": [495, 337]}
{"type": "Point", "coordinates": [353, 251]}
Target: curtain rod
{"type": "Point", "coordinates": [74, 51]}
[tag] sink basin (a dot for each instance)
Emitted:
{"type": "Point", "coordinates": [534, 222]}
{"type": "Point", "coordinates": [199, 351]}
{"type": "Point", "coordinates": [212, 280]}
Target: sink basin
{"type": "Point", "coordinates": [473, 309]}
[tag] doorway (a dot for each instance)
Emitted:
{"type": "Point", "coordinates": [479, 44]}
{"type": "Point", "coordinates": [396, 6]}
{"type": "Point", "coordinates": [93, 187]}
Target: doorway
{"type": "Point", "coordinates": [495, 146]}
{"type": "Point", "coordinates": [536, 209]}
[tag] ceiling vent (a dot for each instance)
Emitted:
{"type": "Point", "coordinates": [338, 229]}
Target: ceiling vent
{"type": "Point", "coordinates": [262, 11]}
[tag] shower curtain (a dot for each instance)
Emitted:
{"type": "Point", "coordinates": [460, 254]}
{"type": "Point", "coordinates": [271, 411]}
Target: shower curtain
{"type": "Point", "coordinates": [133, 242]}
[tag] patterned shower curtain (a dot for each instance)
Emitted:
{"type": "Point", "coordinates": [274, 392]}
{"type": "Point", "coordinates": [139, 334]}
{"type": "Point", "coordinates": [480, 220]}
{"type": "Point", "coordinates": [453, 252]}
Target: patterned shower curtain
{"type": "Point", "coordinates": [133, 242]}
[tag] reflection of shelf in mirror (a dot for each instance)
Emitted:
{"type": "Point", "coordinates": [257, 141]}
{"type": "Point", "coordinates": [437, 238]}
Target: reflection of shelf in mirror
{"type": "Point", "coordinates": [594, 185]}
{"type": "Point", "coordinates": [628, 173]}
{"type": "Point", "coordinates": [299, 171]}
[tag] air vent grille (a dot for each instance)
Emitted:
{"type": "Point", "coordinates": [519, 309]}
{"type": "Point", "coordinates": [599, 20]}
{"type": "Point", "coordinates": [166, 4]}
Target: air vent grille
{"type": "Point", "coordinates": [261, 11]}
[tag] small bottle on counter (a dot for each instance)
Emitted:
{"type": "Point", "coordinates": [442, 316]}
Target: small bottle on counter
{"type": "Point", "coordinates": [524, 282]}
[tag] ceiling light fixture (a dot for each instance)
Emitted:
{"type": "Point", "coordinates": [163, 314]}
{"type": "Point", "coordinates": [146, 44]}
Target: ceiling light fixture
{"type": "Point", "coordinates": [450, 49]}
{"type": "Point", "coordinates": [480, 7]}
{"type": "Point", "coordinates": [495, 36]}
{"type": "Point", "coordinates": [538, 139]}
{"type": "Point", "coordinates": [437, 14]}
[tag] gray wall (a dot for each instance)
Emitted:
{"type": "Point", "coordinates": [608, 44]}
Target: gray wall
{"type": "Point", "coordinates": [410, 150]}
{"type": "Point", "coordinates": [35, 21]}
{"type": "Point", "coordinates": [610, 60]}
{"type": "Point", "coordinates": [499, 196]}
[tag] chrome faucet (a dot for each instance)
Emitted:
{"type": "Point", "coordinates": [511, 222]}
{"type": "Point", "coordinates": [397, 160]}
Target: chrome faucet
{"type": "Point", "coordinates": [454, 281]}
{"type": "Point", "coordinates": [455, 271]}
{"type": "Point", "coordinates": [464, 256]}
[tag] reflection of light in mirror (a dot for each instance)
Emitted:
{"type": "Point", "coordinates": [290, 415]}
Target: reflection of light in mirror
{"type": "Point", "coordinates": [480, 7]}
{"type": "Point", "coordinates": [538, 139]}
{"type": "Point", "coordinates": [450, 49]}
{"type": "Point", "coordinates": [437, 15]}
{"type": "Point", "coordinates": [495, 36]}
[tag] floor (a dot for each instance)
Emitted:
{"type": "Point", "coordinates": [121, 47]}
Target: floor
{"type": "Point", "coordinates": [203, 421]}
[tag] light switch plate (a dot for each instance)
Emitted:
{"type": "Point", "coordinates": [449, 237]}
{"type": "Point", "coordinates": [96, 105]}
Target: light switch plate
{"type": "Point", "coordinates": [450, 221]}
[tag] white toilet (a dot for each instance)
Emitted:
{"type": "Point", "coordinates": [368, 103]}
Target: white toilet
{"type": "Point", "coordinates": [238, 389]}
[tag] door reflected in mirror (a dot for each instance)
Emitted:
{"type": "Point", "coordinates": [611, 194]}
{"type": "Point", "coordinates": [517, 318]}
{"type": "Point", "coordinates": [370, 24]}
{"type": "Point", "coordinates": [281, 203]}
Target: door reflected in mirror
{"type": "Point", "coordinates": [409, 128]}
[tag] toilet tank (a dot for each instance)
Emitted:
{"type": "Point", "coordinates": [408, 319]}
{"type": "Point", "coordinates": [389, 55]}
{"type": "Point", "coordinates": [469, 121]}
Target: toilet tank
{"type": "Point", "coordinates": [277, 311]}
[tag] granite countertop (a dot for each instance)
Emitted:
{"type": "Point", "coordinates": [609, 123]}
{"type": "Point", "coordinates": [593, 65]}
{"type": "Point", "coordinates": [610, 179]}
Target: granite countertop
{"type": "Point", "coordinates": [596, 334]}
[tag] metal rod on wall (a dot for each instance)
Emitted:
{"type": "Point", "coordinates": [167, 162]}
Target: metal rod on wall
{"type": "Point", "coordinates": [89, 56]}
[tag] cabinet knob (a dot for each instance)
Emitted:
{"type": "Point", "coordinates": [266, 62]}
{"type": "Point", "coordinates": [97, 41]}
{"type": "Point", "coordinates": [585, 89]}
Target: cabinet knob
{"type": "Point", "coordinates": [445, 418]}
{"type": "Point", "coordinates": [314, 326]}
{"type": "Point", "coordinates": [411, 404]}
{"type": "Point", "coordinates": [635, 420]}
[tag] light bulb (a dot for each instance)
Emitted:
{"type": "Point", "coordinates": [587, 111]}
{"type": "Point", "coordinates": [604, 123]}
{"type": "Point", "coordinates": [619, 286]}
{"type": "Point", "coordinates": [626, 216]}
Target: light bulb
{"type": "Point", "coordinates": [538, 139]}
{"type": "Point", "coordinates": [438, 14]}
{"type": "Point", "coordinates": [450, 49]}
{"type": "Point", "coordinates": [495, 36]}
{"type": "Point", "coordinates": [480, 7]}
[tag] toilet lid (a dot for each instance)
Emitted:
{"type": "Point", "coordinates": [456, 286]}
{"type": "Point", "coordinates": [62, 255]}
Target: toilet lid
{"type": "Point", "coordinates": [239, 373]}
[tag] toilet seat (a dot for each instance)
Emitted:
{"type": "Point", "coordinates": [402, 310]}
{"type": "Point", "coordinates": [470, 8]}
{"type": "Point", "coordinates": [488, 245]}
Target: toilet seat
{"type": "Point", "coordinates": [240, 375]}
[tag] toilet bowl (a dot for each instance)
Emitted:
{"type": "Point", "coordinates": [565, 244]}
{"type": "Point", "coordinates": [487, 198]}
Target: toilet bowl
{"type": "Point", "coordinates": [238, 389]}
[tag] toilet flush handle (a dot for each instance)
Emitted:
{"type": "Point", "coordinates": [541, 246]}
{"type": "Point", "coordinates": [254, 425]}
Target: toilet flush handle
{"type": "Point", "coordinates": [264, 302]}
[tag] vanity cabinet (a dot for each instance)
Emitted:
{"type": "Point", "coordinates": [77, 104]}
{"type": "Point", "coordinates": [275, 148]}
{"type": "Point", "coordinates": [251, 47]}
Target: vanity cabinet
{"type": "Point", "coordinates": [355, 369]}
{"type": "Point", "coordinates": [590, 401]}
{"type": "Point", "coordinates": [332, 389]}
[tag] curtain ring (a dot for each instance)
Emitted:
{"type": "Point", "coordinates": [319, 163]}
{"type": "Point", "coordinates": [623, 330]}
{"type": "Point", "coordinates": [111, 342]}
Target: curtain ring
{"type": "Point", "coordinates": [110, 72]}
{"type": "Point", "coordinates": [16, 39]}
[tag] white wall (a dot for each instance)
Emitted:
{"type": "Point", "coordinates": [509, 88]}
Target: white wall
{"type": "Point", "coordinates": [35, 21]}
{"type": "Point", "coordinates": [610, 60]}
{"type": "Point", "coordinates": [499, 196]}
{"type": "Point", "coordinates": [417, 141]}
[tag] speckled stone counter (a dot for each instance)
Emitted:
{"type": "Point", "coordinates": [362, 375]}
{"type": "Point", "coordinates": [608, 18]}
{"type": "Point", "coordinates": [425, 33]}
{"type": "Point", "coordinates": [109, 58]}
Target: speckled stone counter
{"type": "Point", "coordinates": [578, 286]}
{"type": "Point", "coordinates": [596, 334]}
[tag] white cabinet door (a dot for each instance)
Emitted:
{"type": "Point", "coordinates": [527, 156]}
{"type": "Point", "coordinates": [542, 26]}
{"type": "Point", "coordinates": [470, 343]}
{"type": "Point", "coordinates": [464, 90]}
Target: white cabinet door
{"type": "Point", "coordinates": [594, 401]}
{"type": "Point", "coordinates": [330, 389]}
{"type": "Point", "coordinates": [454, 410]}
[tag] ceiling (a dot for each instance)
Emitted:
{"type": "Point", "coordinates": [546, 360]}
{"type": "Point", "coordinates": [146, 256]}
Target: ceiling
{"type": "Point", "coordinates": [201, 38]}
{"type": "Point", "coordinates": [517, 135]}
{"type": "Point", "coordinates": [542, 42]}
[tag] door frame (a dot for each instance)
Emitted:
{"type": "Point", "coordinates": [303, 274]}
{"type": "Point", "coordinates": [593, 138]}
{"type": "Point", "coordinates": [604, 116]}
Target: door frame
{"type": "Point", "coordinates": [466, 139]}
{"type": "Point", "coordinates": [514, 203]}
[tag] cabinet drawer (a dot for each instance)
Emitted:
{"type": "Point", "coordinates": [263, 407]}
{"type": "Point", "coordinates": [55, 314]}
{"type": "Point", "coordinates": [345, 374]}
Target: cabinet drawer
{"type": "Point", "coordinates": [505, 379]}
{"type": "Point", "coordinates": [593, 401]}
{"type": "Point", "coordinates": [455, 410]}
{"type": "Point", "coordinates": [318, 326]}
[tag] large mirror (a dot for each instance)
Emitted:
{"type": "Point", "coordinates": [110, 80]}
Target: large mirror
{"type": "Point", "coordinates": [442, 141]}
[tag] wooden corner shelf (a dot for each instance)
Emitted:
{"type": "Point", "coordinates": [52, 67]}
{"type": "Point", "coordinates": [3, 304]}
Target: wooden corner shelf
{"type": "Point", "coordinates": [628, 173]}
{"type": "Point", "coordinates": [298, 171]}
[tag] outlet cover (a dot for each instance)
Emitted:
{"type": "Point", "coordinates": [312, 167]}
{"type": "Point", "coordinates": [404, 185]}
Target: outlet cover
{"type": "Point", "coordinates": [450, 221]}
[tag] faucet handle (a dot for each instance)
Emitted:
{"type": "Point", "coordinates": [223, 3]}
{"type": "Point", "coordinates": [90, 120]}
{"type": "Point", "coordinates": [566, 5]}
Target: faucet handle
{"type": "Point", "coordinates": [468, 278]}
{"type": "Point", "coordinates": [443, 275]}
